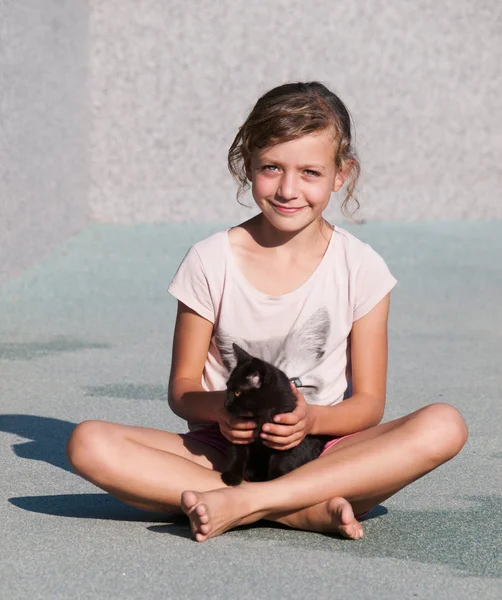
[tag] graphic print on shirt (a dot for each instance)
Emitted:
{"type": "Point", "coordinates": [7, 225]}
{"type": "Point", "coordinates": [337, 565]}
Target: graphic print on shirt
{"type": "Point", "coordinates": [297, 355]}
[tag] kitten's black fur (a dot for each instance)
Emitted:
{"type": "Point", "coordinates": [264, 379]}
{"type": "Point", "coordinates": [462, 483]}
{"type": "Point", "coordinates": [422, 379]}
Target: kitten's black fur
{"type": "Point", "coordinates": [257, 388]}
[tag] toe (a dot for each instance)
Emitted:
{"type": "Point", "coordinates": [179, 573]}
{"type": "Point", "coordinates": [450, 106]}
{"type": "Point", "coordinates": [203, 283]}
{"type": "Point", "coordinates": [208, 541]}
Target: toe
{"type": "Point", "coordinates": [346, 514]}
{"type": "Point", "coordinates": [205, 529]}
{"type": "Point", "coordinates": [356, 531]}
{"type": "Point", "coordinates": [188, 501]}
{"type": "Point", "coordinates": [201, 512]}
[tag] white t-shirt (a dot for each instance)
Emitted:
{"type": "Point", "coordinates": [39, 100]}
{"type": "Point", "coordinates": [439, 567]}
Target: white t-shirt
{"type": "Point", "coordinates": [306, 333]}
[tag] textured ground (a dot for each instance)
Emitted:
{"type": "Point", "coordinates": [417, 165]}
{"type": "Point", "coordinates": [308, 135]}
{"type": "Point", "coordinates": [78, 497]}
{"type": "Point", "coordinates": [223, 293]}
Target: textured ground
{"type": "Point", "coordinates": [86, 333]}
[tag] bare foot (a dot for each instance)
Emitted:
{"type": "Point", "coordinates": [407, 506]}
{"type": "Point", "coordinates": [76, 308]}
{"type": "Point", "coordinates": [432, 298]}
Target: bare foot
{"type": "Point", "coordinates": [343, 520]}
{"type": "Point", "coordinates": [333, 516]}
{"type": "Point", "coordinates": [212, 513]}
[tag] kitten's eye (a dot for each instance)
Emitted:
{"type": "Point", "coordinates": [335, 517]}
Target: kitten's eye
{"type": "Point", "coordinates": [237, 393]}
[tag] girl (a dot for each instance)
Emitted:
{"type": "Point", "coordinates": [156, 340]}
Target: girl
{"type": "Point", "coordinates": [308, 297]}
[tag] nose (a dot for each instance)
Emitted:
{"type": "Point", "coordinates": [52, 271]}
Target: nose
{"type": "Point", "coordinates": [288, 187]}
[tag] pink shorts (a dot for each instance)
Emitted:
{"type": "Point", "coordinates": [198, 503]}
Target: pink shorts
{"type": "Point", "coordinates": [214, 438]}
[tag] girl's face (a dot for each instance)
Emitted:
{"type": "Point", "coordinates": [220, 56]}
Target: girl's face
{"type": "Point", "coordinates": [292, 182]}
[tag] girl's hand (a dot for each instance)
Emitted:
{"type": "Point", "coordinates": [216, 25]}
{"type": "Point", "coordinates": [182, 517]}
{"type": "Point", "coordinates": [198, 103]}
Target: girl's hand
{"type": "Point", "coordinates": [237, 430]}
{"type": "Point", "coordinates": [288, 429]}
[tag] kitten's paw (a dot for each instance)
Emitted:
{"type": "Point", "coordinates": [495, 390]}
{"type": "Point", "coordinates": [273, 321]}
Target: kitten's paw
{"type": "Point", "coordinates": [230, 478]}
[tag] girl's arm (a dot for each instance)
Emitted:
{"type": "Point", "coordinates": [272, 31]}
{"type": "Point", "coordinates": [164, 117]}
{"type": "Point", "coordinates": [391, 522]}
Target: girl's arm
{"type": "Point", "coordinates": [366, 406]}
{"type": "Point", "coordinates": [363, 409]}
{"type": "Point", "coordinates": [187, 398]}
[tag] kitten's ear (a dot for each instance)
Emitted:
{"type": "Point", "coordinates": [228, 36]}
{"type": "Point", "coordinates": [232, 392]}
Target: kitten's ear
{"type": "Point", "coordinates": [240, 354]}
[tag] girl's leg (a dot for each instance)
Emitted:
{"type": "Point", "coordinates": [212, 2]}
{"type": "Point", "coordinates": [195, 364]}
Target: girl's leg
{"type": "Point", "coordinates": [362, 470]}
{"type": "Point", "coordinates": [146, 468]}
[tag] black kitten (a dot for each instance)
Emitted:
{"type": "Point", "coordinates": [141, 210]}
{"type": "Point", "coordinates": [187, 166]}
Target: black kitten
{"type": "Point", "coordinates": [257, 388]}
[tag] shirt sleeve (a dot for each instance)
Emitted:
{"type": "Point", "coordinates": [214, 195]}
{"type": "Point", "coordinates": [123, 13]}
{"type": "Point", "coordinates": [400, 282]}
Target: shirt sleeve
{"type": "Point", "coordinates": [190, 285]}
{"type": "Point", "coordinates": [373, 281]}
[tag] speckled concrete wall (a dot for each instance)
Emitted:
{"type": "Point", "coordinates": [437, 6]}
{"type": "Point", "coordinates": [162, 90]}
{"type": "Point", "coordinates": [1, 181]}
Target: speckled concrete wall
{"type": "Point", "coordinates": [123, 110]}
{"type": "Point", "coordinates": [172, 81]}
{"type": "Point", "coordinates": [44, 137]}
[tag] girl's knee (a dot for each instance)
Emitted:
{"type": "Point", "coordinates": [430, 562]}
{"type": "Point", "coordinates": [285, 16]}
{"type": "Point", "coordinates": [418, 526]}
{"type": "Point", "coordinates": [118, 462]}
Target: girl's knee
{"type": "Point", "coordinates": [447, 429]}
{"type": "Point", "coordinates": [86, 445]}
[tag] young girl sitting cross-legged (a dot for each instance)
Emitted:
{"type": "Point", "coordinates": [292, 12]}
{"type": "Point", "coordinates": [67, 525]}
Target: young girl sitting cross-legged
{"type": "Point", "coordinates": [306, 296]}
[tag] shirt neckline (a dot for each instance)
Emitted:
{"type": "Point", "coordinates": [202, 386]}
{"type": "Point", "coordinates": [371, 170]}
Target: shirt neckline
{"type": "Point", "coordinates": [268, 297]}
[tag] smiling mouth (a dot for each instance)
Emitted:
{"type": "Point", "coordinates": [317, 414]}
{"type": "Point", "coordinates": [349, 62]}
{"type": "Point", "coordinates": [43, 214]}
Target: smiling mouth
{"type": "Point", "coordinates": [287, 210]}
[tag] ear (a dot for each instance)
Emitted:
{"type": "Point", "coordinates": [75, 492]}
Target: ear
{"type": "Point", "coordinates": [240, 354]}
{"type": "Point", "coordinates": [342, 175]}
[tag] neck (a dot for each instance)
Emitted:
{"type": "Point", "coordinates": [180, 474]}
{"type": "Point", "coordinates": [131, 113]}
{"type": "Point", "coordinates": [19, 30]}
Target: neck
{"type": "Point", "coordinates": [318, 233]}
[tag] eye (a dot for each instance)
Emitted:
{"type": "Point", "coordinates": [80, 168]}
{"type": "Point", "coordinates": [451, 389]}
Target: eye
{"type": "Point", "coordinates": [237, 393]}
{"type": "Point", "coordinates": [271, 168]}
{"type": "Point", "coordinates": [312, 173]}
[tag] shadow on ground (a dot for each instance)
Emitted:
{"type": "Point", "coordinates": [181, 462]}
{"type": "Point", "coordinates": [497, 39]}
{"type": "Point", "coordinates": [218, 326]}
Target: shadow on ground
{"type": "Point", "coordinates": [459, 539]}
{"type": "Point", "coordinates": [58, 345]}
{"type": "Point", "coordinates": [48, 435]}
{"type": "Point", "coordinates": [92, 506]}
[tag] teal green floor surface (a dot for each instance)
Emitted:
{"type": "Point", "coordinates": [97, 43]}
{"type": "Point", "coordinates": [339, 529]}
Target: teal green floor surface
{"type": "Point", "coordinates": [86, 334]}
